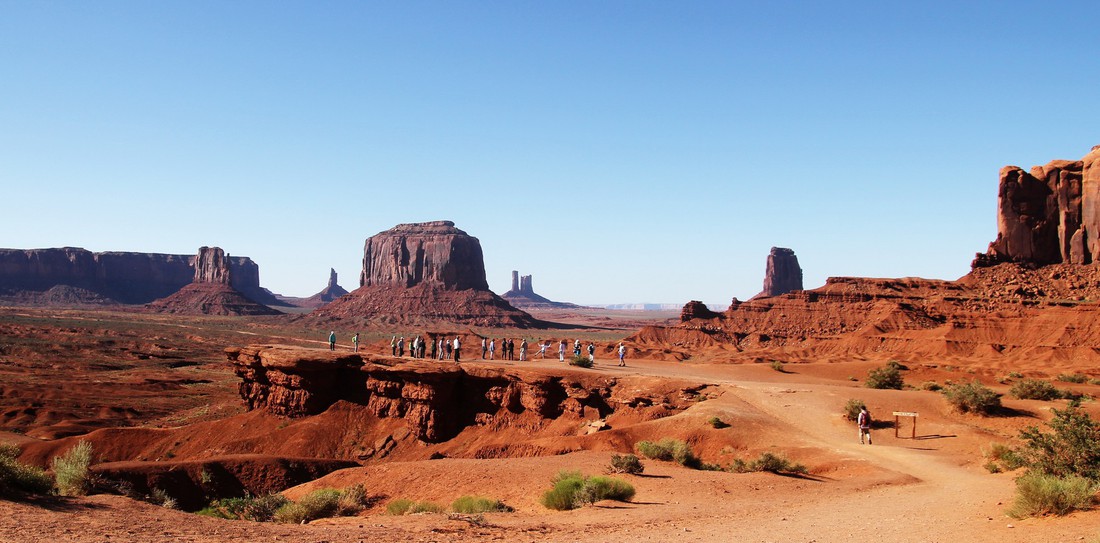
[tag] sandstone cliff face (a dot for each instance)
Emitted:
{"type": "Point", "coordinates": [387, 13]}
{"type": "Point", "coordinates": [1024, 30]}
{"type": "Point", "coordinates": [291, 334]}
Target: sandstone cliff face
{"type": "Point", "coordinates": [211, 292]}
{"type": "Point", "coordinates": [436, 401]}
{"type": "Point", "coordinates": [211, 266]}
{"type": "Point", "coordinates": [782, 274]}
{"type": "Point", "coordinates": [1049, 215]}
{"type": "Point", "coordinates": [129, 278]}
{"type": "Point", "coordinates": [420, 273]}
{"type": "Point", "coordinates": [434, 253]}
{"type": "Point", "coordinates": [696, 310]}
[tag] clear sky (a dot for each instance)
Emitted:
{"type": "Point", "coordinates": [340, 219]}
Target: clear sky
{"type": "Point", "coordinates": [618, 151]}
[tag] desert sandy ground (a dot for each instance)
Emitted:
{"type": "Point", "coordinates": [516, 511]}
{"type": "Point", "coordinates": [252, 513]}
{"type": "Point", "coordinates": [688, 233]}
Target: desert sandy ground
{"type": "Point", "coordinates": [930, 489]}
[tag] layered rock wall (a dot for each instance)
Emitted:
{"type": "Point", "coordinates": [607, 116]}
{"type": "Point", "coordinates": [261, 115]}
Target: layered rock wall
{"type": "Point", "coordinates": [437, 401]}
{"type": "Point", "coordinates": [132, 278]}
{"type": "Point", "coordinates": [1048, 215]}
{"type": "Point", "coordinates": [433, 253]}
{"type": "Point", "coordinates": [782, 274]}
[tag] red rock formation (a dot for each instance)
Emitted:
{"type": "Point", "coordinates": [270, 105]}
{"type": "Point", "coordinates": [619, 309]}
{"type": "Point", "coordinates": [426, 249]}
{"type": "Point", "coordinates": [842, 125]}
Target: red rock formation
{"type": "Point", "coordinates": [1049, 215]}
{"type": "Point", "coordinates": [436, 401]}
{"type": "Point", "coordinates": [331, 292]}
{"type": "Point", "coordinates": [696, 310]}
{"type": "Point", "coordinates": [782, 274]}
{"type": "Point", "coordinates": [129, 278]}
{"type": "Point", "coordinates": [522, 295]}
{"type": "Point", "coordinates": [211, 293]}
{"type": "Point", "coordinates": [434, 253]}
{"type": "Point", "coordinates": [423, 272]}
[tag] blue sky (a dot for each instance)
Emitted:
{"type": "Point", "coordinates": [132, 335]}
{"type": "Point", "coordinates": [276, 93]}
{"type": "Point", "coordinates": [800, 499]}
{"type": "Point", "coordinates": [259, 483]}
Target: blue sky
{"type": "Point", "coordinates": [616, 151]}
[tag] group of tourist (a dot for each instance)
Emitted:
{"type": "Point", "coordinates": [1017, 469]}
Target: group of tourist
{"type": "Point", "coordinates": [443, 348]}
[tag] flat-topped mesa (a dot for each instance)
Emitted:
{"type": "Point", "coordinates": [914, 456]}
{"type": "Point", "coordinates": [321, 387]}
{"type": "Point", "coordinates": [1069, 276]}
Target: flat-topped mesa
{"type": "Point", "coordinates": [697, 310]}
{"type": "Point", "coordinates": [1050, 215]}
{"type": "Point", "coordinates": [783, 274]}
{"type": "Point", "coordinates": [212, 266]}
{"type": "Point", "coordinates": [433, 253]}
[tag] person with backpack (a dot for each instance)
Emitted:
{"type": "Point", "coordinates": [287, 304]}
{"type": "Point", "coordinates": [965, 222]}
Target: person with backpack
{"type": "Point", "coordinates": [863, 420]}
{"type": "Point", "coordinates": [592, 352]}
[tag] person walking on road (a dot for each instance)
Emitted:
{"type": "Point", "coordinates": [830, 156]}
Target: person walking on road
{"type": "Point", "coordinates": [332, 340]}
{"type": "Point", "coordinates": [864, 422]}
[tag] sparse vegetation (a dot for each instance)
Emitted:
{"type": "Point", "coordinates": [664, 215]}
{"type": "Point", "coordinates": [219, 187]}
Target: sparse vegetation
{"type": "Point", "coordinates": [1073, 378]}
{"type": "Point", "coordinates": [399, 506]}
{"type": "Point", "coordinates": [931, 386]}
{"type": "Point", "coordinates": [572, 490]}
{"type": "Point", "coordinates": [1041, 494]}
{"type": "Point", "coordinates": [778, 366]}
{"type": "Point", "coordinates": [1004, 458]}
{"type": "Point", "coordinates": [1073, 448]}
{"type": "Point", "coordinates": [886, 377]}
{"type": "Point", "coordinates": [1015, 375]}
{"type": "Point", "coordinates": [668, 449]}
{"type": "Point", "coordinates": [625, 463]}
{"type": "Point", "coordinates": [322, 503]}
{"type": "Point", "coordinates": [474, 505]}
{"type": "Point", "coordinates": [17, 478]}
{"type": "Point", "coordinates": [1035, 389]}
{"type": "Point", "coordinates": [972, 397]}
{"type": "Point", "coordinates": [256, 509]}
{"type": "Point", "coordinates": [71, 470]}
{"type": "Point", "coordinates": [852, 408]}
{"type": "Point", "coordinates": [581, 361]}
{"type": "Point", "coordinates": [717, 423]}
{"type": "Point", "coordinates": [767, 461]}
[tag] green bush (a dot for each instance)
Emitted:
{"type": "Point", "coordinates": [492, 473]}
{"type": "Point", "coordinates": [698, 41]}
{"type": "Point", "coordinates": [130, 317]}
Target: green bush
{"type": "Point", "coordinates": [581, 361]}
{"type": "Point", "coordinates": [425, 507]}
{"type": "Point", "coordinates": [668, 449]}
{"type": "Point", "coordinates": [886, 377]}
{"type": "Point", "coordinates": [1073, 378]}
{"type": "Point", "coordinates": [767, 462]}
{"type": "Point", "coordinates": [1005, 457]}
{"type": "Point", "coordinates": [625, 463]}
{"type": "Point", "coordinates": [352, 500]}
{"type": "Point", "coordinates": [261, 509]}
{"type": "Point", "coordinates": [1034, 389]}
{"type": "Point", "coordinates": [1073, 448]}
{"type": "Point", "coordinates": [852, 408]}
{"type": "Point", "coordinates": [399, 506]}
{"type": "Point", "coordinates": [931, 386]}
{"type": "Point", "coordinates": [1042, 494]}
{"type": "Point", "coordinates": [972, 397]}
{"type": "Point", "coordinates": [71, 470]}
{"type": "Point", "coordinates": [320, 503]}
{"type": "Point", "coordinates": [1015, 375]}
{"type": "Point", "coordinates": [17, 478]}
{"type": "Point", "coordinates": [472, 505]}
{"type": "Point", "coordinates": [717, 423]}
{"type": "Point", "coordinates": [778, 366]}
{"type": "Point", "coordinates": [572, 490]}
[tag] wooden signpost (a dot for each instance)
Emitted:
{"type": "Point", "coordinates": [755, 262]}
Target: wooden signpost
{"type": "Point", "coordinates": [898, 415]}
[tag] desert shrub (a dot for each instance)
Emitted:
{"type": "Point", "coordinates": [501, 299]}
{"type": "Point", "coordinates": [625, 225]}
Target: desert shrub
{"type": "Point", "coordinates": [1072, 448]}
{"type": "Point", "coordinates": [399, 506]}
{"type": "Point", "coordinates": [581, 361]}
{"type": "Point", "coordinates": [258, 509]}
{"type": "Point", "coordinates": [16, 477]}
{"type": "Point", "coordinates": [886, 377]}
{"type": "Point", "coordinates": [425, 507]}
{"type": "Point", "coordinates": [1015, 375]}
{"type": "Point", "coordinates": [1042, 494]}
{"type": "Point", "coordinates": [572, 490]}
{"type": "Point", "coordinates": [352, 500]}
{"type": "Point", "coordinates": [931, 386]}
{"type": "Point", "coordinates": [852, 408]}
{"type": "Point", "coordinates": [767, 461]}
{"type": "Point", "coordinates": [1073, 378]}
{"type": "Point", "coordinates": [1005, 457]}
{"type": "Point", "coordinates": [668, 449]}
{"type": "Point", "coordinates": [896, 365]}
{"type": "Point", "coordinates": [972, 397]}
{"type": "Point", "coordinates": [1034, 389]}
{"type": "Point", "coordinates": [778, 366]}
{"type": "Point", "coordinates": [472, 505]}
{"type": "Point", "coordinates": [317, 504]}
{"type": "Point", "coordinates": [71, 470]}
{"type": "Point", "coordinates": [717, 423]}
{"type": "Point", "coordinates": [625, 463]}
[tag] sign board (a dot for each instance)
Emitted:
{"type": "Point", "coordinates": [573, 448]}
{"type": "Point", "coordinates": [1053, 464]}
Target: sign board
{"type": "Point", "coordinates": [904, 414]}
